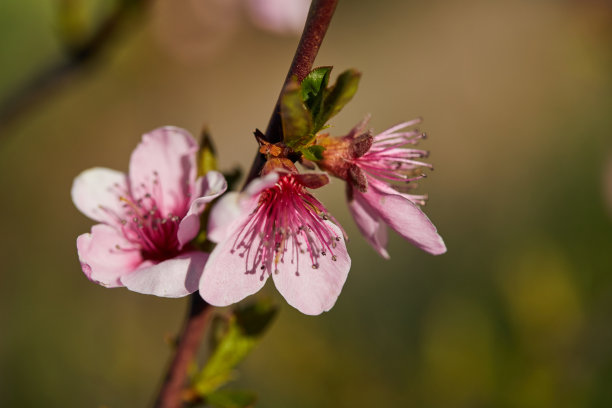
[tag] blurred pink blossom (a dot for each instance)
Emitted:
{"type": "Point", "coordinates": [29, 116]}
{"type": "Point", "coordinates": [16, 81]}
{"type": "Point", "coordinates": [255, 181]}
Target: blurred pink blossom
{"type": "Point", "coordinates": [280, 16]}
{"type": "Point", "coordinates": [276, 228]}
{"type": "Point", "coordinates": [199, 29]}
{"type": "Point", "coordinates": [380, 171]}
{"type": "Point", "coordinates": [147, 217]}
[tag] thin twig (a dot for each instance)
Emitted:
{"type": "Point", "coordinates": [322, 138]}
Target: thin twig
{"type": "Point", "coordinates": [171, 392]}
{"type": "Point", "coordinates": [319, 17]}
{"type": "Point", "coordinates": [53, 77]}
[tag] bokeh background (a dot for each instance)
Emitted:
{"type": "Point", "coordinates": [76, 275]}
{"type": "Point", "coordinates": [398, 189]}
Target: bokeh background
{"type": "Point", "coordinates": [517, 100]}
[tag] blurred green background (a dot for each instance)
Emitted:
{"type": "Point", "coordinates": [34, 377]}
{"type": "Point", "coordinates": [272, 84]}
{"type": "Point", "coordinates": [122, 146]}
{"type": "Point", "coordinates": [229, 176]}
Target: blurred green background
{"type": "Point", "coordinates": [517, 100]}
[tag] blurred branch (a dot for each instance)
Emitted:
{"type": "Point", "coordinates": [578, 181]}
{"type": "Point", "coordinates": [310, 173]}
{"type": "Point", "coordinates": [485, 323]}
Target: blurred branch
{"type": "Point", "coordinates": [173, 387]}
{"type": "Point", "coordinates": [55, 76]}
{"type": "Point", "coordinates": [319, 17]}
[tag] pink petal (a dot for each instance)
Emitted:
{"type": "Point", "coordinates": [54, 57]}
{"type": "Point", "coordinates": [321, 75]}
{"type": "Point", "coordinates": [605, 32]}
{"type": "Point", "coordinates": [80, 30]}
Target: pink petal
{"type": "Point", "coordinates": [370, 224]}
{"type": "Point", "coordinates": [228, 277]}
{"type": "Point", "coordinates": [313, 291]}
{"type": "Point", "coordinates": [406, 218]}
{"type": "Point", "coordinates": [163, 164]}
{"type": "Point", "coordinates": [223, 214]}
{"type": "Point", "coordinates": [261, 183]}
{"type": "Point", "coordinates": [211, 186]}
{"type": "Point", "coordinates": [171, 278]}
{"type": "Point", "coordinates": [95, 192]}
{"type": "Point", "coordinates": [100, 258]}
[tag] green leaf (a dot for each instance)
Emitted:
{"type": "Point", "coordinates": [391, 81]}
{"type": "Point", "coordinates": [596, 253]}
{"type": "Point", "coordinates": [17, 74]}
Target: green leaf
{"type": "Point", "coordinates": [313, 153]}
{"type": "Point", "coordinates": [231, 399]}
{"type": "Point", "coordinates": [207, 158]}
{"type": "Point", "coordinates": [338, 96]}
{"type": "Point", "coordinates": [297, 120]}
{"type": "Point", "coordinates": [243, 331]}
{"type": "Point", "coordinates": [313, 89]}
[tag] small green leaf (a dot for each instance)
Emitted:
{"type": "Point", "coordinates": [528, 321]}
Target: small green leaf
{"type": "Point", "coordinates": [231, 399]}
{"type": "Point", "coordinates": [338, 96]}
{"type": "Point", "coordinates": [207, 159]}
{"type": "Point", "coordinates": [243, 331]}
{"type": "Point", "coordinates": [297, 120]}
{"type": "Point", "coordinates": [314, 88]}
{"type": "Point", "coordinates": [313, 153]}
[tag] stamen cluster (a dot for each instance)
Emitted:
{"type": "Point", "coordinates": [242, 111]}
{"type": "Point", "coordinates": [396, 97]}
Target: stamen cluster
{"type": "Point", "coordinates": [287, 223]}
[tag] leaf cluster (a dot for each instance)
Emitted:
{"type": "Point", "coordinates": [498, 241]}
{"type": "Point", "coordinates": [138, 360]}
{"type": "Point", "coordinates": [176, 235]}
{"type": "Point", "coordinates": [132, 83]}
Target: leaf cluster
{"type": "Point", "coordinates": [306, 107]}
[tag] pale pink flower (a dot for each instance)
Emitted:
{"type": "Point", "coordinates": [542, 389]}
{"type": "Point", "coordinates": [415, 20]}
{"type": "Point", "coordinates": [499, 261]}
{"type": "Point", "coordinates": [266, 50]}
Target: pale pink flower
{"type": "Point", "coordinates": [380, 171]}
{"type": "Point", "coordinates": [147, 217]}
{"type": "Point", "coordinates": [276, 228]}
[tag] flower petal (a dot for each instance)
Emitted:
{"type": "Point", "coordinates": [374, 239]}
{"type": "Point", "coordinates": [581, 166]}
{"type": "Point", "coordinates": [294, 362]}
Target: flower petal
{"type": "Point", "coordinates": [209, 187]}
{"type": "Point", "coordinates": [313, 291]}
{"type": "Point", "coordinates": [223, 214]}
{"type": "Point", "coordinates": [172, 278]}
{"type": "Point", "coordinates": [369, 223]}
{"type": "Point", "coordinates": [406, 218]}
{"type": "Point", "coordinates": [95, 192]}
{"type": "Point", "coordinates": [102, 261]}
{"type": "Point", "coordinates": [230, 275]}
{"type": "Point", "coordinates": [261, 183]}
{"type": "Point", "coordinates": [163, 164]}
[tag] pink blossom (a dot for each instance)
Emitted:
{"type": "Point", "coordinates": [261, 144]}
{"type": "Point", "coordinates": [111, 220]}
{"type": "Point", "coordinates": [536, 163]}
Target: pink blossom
{"type": "Point", "coordinates": [380, 171]}
{"type": "Point", "coordinates": [147, 217]}
{"type": "Point", "coordinates": [280, 16]}
{"type": "Point", "coordinates": [276, 228]}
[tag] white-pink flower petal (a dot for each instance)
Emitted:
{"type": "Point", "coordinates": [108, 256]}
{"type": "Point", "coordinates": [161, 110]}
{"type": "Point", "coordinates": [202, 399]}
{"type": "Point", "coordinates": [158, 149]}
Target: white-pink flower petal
{"type": "Point", "coordinates": [313, 290]}
{"type": "Point", "coordinates": [229, 276]}
{"type": "Point", "coordinates": [222, 215]}
{"type": "Point", "coordinates": [406, 218]}
{"type": "Point", "coordinates": [96, 191]}
{"type": "Point", "coordinates": [106, 256]}
{"type": "Point", "coordinates": [209, 187]}
{"type": "Point", "coordinates": [163, 164]}
{"type": "Point", "coordinates": [175, 277]}
{"type": "Point", "coordinates": [369, 223]}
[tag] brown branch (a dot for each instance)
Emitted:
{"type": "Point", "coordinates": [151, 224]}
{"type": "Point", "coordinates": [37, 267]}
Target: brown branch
{"type": "Point", "coordinates": [77, 59]}
{"type": "Point", "coordinates": [319, 17]}
{"type": "Point", "coordinates": [171, 392]}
